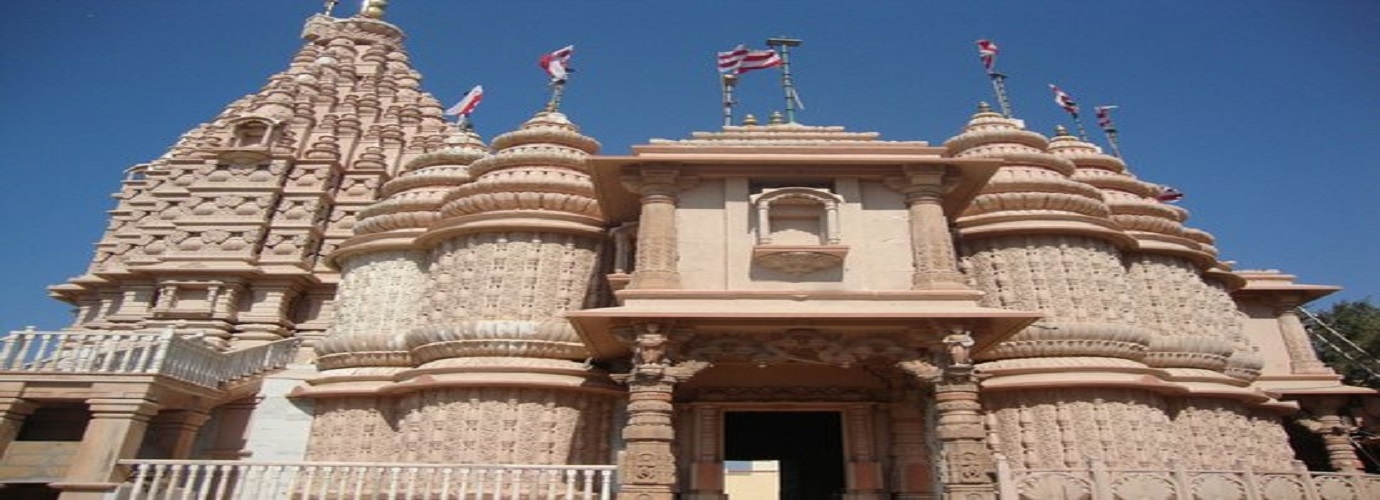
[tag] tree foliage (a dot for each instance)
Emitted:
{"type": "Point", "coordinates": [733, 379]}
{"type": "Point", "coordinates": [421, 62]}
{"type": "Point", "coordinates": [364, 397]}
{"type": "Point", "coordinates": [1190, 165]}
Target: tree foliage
{"type": "Point", "coordinates": [1359, 322]}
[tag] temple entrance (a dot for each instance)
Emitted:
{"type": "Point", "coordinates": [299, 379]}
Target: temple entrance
{"type": "Point", "coordinates": [807, 445]}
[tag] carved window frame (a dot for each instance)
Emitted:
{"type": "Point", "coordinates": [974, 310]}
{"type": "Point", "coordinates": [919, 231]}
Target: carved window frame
{"type": "Point", "coordinates": [798, 259]}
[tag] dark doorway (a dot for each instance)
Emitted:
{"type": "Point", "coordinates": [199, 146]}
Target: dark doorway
{"type": "Point", "coordinates": [808, 445]}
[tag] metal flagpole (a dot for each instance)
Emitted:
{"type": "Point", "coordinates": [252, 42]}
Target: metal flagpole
{"type": "Point", "coordinates": [1104, 121]}
{"type": "Point", "coordinates": [786, 82]}
{"type": "Point", "coordinates": [557, 91]}
{"type": "Point", "coordinates": [1082, 132]}
{"type": "Point", "coordinates": [330, 6]}
{"type": "Point", "coordinates": [726, 83]}
{"type": "Point", "coordinates": [999, 86]}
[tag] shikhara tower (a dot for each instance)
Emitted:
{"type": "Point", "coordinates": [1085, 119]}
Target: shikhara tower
{"type": "Point", "coordinates": [331, 277]}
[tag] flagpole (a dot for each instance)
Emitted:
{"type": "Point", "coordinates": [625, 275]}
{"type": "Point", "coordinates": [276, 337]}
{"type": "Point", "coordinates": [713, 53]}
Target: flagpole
{"type": "Point", "coordinates": [557, 91]}
{"type": "Point", "coordinates": [787, 83]}
{"type": "Point", "coordinates": [1112, 141]}
{"type": "Point", "coordinates": [999, 86]}
{"type": "Point", "coordinates": [330, 6]}
{"type": "Point", "coordinates": [1104, 121]}
{"type": "Point", "coordinates": [726, 83]}
{"type": "Point", "coordinates": [1082, 132]}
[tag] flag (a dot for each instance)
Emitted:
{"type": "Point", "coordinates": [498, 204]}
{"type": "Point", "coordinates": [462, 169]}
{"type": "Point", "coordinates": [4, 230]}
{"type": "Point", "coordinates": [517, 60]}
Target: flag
{"type": "Point", "coordinates": [742, 60]}
{"type": "Point", "coordinates": [1169, 195]}
{"type": "Point", "coordinates": [1104, 118]}
{"type": "Point", "coordinates": [467, 103]}
{"type": "Point", "coordinates": [1064, 100]}
{"type": "Point", "coordinates": [557, 64]}
{"type": "Point", "coordinates": [987, 51]}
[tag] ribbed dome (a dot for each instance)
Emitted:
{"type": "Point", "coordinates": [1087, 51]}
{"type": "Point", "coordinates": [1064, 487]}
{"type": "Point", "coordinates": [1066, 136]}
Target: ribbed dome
{"type": "Point", "coordinates": [539, 167]}
{"type": "Point", "coordinates": [1132, 201]}
{"type": "Point", "coordinates": [413, 199]}
{"type": "Point", "coordinates": [1032, 184]}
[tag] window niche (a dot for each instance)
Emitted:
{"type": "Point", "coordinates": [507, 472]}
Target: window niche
{"type": "Point", "coordinates": [797, 230]}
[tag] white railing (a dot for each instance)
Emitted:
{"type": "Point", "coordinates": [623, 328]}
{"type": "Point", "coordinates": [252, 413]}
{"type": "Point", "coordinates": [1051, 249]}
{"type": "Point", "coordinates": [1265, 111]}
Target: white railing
{"type": "Point", "coordinates": [188, 359]}
{"type": "Point", "coordinates": [1099, 483]}
{"type": "Point", "coordinates": [235, 480]}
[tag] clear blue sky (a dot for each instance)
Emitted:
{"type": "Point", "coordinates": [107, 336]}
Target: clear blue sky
{"type": "Point", "coordinates": [1266, 113]}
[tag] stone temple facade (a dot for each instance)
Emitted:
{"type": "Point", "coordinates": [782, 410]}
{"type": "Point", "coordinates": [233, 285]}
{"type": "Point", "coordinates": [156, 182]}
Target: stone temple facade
{"type": "Point", "coordinates": [329, 291]}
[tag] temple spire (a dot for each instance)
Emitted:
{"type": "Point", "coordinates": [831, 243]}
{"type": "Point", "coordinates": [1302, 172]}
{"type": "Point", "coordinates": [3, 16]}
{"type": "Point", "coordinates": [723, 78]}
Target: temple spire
{"type": "Point", "coordinates": [373, 8]}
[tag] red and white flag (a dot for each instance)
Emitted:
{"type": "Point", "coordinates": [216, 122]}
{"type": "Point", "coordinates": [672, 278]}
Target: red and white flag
{"type": "Point", "coordinates": [1169, 195]}
{"type": "Point", "coordinates": [557, 64]}
{"type": "Point", "coordinates": [1104, 117]}
{"type": "Point", "coordinates": [987, 51]}
{"type": "Point", "coordinates": [1064, 100]}
{"type": "Point", "coordinates": [742, 60]}
{"type": "Point", "coordinates": [467, 103]}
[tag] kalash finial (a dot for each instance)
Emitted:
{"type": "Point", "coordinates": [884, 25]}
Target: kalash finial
{"type": "Point", "coordinates": [983, 107]}
{"type": "Point", "coordinates": [776, 118]}
{"type": "Point", "coordinates": [373, 9]}
{"type": "Point", "coordinates": [1061, 131]}
{"type": "Point", "coordinates": [749, 120]}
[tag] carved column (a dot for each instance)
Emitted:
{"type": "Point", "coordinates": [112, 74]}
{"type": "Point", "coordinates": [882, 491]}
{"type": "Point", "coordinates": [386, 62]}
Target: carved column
{"type": "Point", "coordinates": [967, 469]}
{"type": "Point", "coordinates": [116, 428]}
{"type": "Point", "coordinates": [1335, 432]}
{"type": "Point", "coordinates": [936, 265]}
{"type": "Point", "coordinates": [1302, 359]}
{"type": "Point", "coordinates": [648, 467]}
{"type": "Point", "coordinates": [657, 255]}
{"type": "Point", "coordinates": [13, 411]}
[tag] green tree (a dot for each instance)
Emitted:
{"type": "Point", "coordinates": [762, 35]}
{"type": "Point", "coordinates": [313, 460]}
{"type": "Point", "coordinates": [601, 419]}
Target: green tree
{"type": "Point", "coordinates": [1358, 321]}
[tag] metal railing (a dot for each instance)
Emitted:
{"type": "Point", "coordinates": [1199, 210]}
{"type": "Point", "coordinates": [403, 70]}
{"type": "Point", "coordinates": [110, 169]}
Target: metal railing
{"type": "Point", "coordinates": [188, 359]}
{"type": "Point", "coordinates": [235, 480]}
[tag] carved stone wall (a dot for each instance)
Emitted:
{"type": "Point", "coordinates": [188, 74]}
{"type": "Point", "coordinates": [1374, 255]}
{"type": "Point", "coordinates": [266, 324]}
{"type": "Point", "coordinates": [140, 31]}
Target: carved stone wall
{"type": "Point", "coordinates": [1062, 428]}
{"type": "Point", "coordinates": [506, 425]}
{"type": "Point", "coordinates": [378, 300]}
{"type": "Point", "coordinates": [1128, 428]}
{"type": "Point", "coordinates": [1077, 282]}
{"type": "Point", "coordinates": [354, 429]}
{"type": "Point", "coordinates": [1193, 329]}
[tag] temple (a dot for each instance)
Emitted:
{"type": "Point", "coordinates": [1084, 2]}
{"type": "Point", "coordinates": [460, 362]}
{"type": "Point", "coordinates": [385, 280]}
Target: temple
{"type": "Point", "coordinates": [329, 291]}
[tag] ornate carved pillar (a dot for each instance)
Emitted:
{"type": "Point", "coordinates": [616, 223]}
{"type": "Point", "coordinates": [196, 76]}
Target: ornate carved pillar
{"type": "Point", "coordinates": [657, 255]}
{"type": "Point", "coordinates": [1334, 431]}
{"type": "Point", "coordinates": [936, 265]}
{"type": "Point", "coordinates": [117, 427]}
{"type": "Point", "coordinates": [1302, 359]}
{"type": "Point", "coordinates": [13, 411]}
{"type": "Point", "coordinates": [967, 469]}
{"type": "Point", "coordinates": [648, 467]}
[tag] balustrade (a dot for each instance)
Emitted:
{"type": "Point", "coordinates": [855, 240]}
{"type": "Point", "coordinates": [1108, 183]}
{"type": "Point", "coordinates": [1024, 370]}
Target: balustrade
{"type": "Point", "coordinates": [188, 359]}
{"type": "Point", "coordinates": [233, 480]}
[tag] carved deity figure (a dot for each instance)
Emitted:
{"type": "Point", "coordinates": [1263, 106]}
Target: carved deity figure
{"type": "Point", "coordinates": [651, 349]}
{"type": "Point", "coordinates": [960, 345]}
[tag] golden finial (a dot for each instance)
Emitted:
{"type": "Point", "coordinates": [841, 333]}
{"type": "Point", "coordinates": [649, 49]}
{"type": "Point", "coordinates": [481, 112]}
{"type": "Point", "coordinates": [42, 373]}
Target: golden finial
{"type": "Point", "coordinates": [749, 120]}
{"type": "Point", "coordinates": [983, 107]}
{"type": "Point", "coordinates": [777, 118]}
{"type": "Point", "coordinates": [1060, 131]}
{"type": "Point", "coordinates": [373, 8]}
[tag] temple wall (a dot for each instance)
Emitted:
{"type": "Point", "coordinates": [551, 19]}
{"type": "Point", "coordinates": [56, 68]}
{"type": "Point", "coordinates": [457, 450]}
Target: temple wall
{"type": "Point", "coordinates": [488, 425]}
{"type": "Point", "coordinates": [1209, 433]}
{"type": "Point", "coordinates": [1062, 428]}
{"type": "Point", "coordinates": [379, 294]}
{"type": "Point", "coordinates": [518, 275]}
{"type": "Point", "coordinates": [873, 222]}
